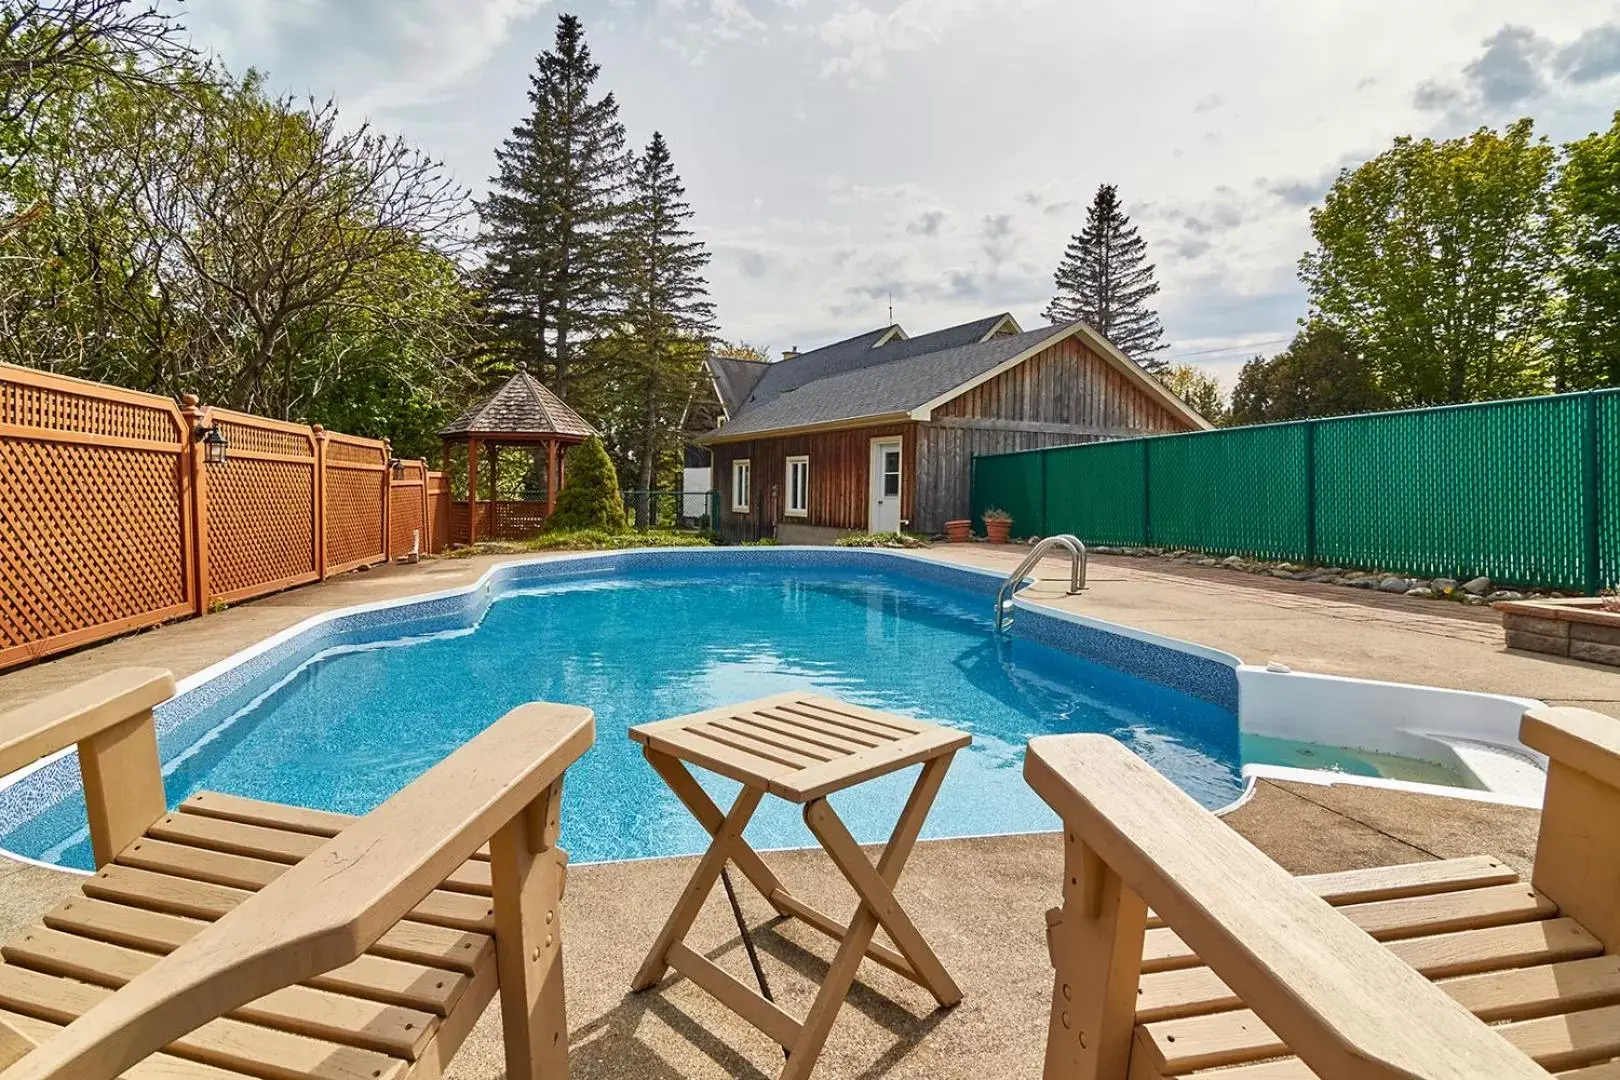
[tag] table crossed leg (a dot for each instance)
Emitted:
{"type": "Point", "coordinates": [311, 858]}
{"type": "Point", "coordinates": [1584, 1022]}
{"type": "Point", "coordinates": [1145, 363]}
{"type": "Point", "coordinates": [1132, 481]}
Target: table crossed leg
{"type": "Point", "coordinates": [877, 906]}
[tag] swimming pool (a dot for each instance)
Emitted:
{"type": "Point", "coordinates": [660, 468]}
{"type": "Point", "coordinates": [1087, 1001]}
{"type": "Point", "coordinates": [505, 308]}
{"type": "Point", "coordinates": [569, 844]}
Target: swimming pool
{"type": "Point", "coordinates": [341, 715]}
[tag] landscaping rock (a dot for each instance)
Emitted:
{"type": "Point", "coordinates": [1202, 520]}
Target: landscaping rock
{"type": "Point", "coordinates": [1361, 583]}
{"type": "Point", "coordinates": [1472, 600]}
{"type": "Point", "coordinates": [1394, 585]}
{"type": "Point", "coordinates": [1477, 587]}
{"type": "Point", "coordinates": [1232, 560]}
{"type": "Point", "coordinates": [1443, 585]}
{"type": "Point", "coordinates": [1422, 592]}
{"type": "Point", "coordinates": [1503, 594]}
{"type": "Point", "coordinates": [1322, 577]}
{"type": "Point", "coordinates": [1207, 561]}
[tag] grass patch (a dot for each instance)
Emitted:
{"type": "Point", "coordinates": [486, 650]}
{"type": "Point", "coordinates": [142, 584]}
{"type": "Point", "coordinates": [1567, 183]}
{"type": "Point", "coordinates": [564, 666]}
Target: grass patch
{"type": "Point", "coordinates": [584, 540]}
{"type": "Point", "coordinates": [881, 540]}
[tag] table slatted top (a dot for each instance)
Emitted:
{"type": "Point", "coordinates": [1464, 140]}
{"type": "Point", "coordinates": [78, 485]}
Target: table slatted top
{"type": "Point", "coordinates": [799, 746]}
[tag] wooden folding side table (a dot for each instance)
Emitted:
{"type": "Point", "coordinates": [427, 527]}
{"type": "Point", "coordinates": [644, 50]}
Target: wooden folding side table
{"type": "Point", "coordinates": [802, 748]}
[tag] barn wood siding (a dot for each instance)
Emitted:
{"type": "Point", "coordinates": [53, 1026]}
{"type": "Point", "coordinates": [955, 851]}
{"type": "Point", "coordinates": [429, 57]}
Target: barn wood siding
{"type": "Point", "coordinates": [839, 477]}
{"type": "Point", "coordinates": [1062, 396]}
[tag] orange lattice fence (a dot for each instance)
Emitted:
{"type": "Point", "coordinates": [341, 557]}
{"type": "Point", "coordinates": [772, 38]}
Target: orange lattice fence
{"type": "Point", "coordinates": [438, 511]}
{"type": "Point", "coordinates": [95, 511]}
{"type": "Point", "coordinates": [519, 520]}
{"type": "Point", "coordinates": [261, 506]}
{"type": "Point", "coordinates": [407, 510]}
{"type": "Point", "coordinates": [357, 481]}
{"type": "Point", "coordinates": [111, 519]}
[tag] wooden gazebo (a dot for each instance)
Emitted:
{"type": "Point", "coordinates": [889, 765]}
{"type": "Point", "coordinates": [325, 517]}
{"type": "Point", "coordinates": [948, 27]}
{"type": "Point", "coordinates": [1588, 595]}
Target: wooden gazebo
{"type": "Point", "coordinates": [521, 413]}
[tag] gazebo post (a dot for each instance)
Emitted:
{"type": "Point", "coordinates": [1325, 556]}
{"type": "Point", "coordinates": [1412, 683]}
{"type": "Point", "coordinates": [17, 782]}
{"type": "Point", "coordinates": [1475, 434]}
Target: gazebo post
{"type": "Point", "coordinates": [494, 489]}
{"type": "Point", "coordinates": [472, 491]}
{"type": "Point", "coordinates": [551, 476]}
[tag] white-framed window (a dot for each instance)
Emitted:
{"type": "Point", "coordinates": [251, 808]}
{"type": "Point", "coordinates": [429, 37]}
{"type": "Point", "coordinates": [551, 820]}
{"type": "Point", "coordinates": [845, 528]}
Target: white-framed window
{"type": "Point", "coordinates": [742, 476]}
{"type": "Point", "coordinates": [798, 487]}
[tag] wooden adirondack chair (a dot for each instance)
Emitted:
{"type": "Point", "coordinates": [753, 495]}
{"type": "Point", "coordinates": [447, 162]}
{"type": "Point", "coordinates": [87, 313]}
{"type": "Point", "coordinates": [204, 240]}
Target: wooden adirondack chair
{"type": "Point", "coordinates": [243, 938]}
{"type": "Point", "coordinates": [1242, 969]}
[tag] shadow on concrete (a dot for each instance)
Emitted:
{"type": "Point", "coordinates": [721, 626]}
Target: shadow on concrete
{"type": "Point", "coordinates": [610, 1046]}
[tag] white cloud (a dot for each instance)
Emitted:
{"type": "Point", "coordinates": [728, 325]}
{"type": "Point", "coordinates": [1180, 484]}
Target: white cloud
{"type": "Point", "coordinates": [861, 38]}
{"type": "Point", "coordinates": [942, 151]}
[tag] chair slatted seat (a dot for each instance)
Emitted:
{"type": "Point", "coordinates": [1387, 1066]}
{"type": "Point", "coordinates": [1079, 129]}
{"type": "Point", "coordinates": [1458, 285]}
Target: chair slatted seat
{"type": "Point", "coordinates": [232, 938]}
{"type": "Point", "coordinates": [1533, 966]}
{"type": "Point", "coordinates": [372, 1016]}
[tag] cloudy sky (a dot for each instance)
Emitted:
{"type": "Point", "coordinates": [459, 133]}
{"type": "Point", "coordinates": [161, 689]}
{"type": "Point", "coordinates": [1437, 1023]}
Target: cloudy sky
{"type": "Point", "coordinates": [838, 152]}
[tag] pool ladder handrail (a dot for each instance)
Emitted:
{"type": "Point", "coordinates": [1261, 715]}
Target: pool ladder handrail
{"type": "Point", "coordinates": [1077, 573]}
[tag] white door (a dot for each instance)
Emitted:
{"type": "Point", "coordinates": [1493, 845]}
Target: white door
{"type": "Point", "coordinates": [884, 515]}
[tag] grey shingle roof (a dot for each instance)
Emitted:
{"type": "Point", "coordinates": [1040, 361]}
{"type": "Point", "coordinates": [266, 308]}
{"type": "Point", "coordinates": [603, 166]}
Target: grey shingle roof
{"type": "Point", "coordinates": [734, 379]}
{"type": "Point", "coordinates": [522, 406]}
{"type": "Point", "coordinates": [857, 352]}
{"type": "Point", "coordinates": [911, 378]}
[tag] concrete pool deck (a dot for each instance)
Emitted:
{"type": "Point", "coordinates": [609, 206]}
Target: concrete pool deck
{"type": "Point", "coordinates": [986, 926]}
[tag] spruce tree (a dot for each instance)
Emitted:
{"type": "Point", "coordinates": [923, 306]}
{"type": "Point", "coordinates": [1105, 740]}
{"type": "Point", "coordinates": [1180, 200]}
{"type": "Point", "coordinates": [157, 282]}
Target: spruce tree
{"type": "Point", "coordinates": [667, 314]}
{"type": "Point", "coordinates": [552, 218]}
{"type": "Point", "coordinates": [1106, 280]}
{"type": "Point", "coordinates": [590, 497]}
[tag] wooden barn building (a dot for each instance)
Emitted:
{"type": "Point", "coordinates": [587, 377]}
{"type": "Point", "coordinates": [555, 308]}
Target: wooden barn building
{"type": "Point", "coordinates": [877, 433]}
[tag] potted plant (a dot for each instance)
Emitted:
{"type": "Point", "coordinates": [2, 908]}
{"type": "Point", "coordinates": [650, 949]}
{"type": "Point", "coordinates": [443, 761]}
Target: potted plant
{"type": "Point", "coordinates": [997, 525]}
{"type": "Point", "coordinates": [959, 531]}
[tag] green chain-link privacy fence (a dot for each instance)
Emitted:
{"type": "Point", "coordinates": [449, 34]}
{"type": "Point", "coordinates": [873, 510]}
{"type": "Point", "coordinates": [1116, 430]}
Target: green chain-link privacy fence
{"type": "Point", "coordinates": [1523, 491]}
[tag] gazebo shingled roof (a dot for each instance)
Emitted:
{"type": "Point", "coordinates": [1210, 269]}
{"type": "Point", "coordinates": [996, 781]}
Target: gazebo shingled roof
{"type": "Point", "coordinates": [521, 412]}
{"type": "Point", "coordinates": [522, 408]}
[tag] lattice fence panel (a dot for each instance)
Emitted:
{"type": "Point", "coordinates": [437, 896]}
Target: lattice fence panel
{"type": "Point", "coordinates": [356, 470]}
{"type": "Point", "coordinates": [261, 508]}
{"type": "Point", "coordinates": [405, 510]}
{"type": "Point", "coordinates": [438, 511]}
{"type": "Point", "coordinates": [92, 535]}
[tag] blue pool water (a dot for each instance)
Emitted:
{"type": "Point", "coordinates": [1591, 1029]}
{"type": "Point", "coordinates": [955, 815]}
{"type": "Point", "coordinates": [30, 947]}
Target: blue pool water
{"type": "Point", "coordinates": [349, 726]}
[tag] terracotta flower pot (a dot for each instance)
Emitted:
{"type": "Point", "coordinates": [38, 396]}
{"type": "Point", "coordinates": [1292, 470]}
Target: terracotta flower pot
{"type": "Point", "coordinates": [959, 532]}
{"type": "Point", "coordinates": [997, 529]}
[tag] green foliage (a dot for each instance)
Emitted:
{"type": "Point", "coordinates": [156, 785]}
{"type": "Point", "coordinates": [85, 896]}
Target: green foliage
{"type": "Point", "coordinates": [202, 236]}
{"type": "Point", "coordinates": [668, 317]}
{"type": "Point", "coordinates": [1198, 389]}
{"type": "Point", "coordinates": [881, 540]}
{"type": "Point", "coordinates": [995, 513]}
{"type": "Point", "coordinates": [1321, 373]}
{"type": "Point", "coordinates": [1106, 280]}
{"type": "Point", "coordinates": [1588, 197]}
{"type": "Point", "coordinates": [1436, 257]}
{"type": "Point", "coordinates": [585, 540]}
{"type": "Point", "coordinates": [590, 498]}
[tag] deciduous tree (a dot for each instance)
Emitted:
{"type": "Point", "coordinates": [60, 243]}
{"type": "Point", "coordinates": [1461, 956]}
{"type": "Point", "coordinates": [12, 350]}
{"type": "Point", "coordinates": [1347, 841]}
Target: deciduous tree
{"type": "Point", "coordinates": [1198, 388]}
{"type": "Point", "coordinates": [1321, 373]}
{"type": "Point", "coordinates": [1589, 318]}
{"type": "Point", "coordinates": [1437, 256]}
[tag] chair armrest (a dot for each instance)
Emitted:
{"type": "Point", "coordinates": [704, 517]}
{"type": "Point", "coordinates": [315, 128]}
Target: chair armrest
{"type": "Point", "coordinates": [1586, 741]}
{"type": "Point", "coordinates": [57, 721]}
{"type": "Point", "coordinates": [1341, 1001]}
{"type": "Point", "coordinates": [332, 906]}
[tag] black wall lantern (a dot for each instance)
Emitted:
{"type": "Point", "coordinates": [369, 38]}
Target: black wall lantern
{"type": "Point", "coordinates": [398, 466]}
{"type": "Point", "coordinates": [214, 444]}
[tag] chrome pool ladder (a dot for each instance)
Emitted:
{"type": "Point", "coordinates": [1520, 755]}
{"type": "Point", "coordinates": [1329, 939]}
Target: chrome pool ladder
{"type": "Point", "coordinates": [1077, 574]}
